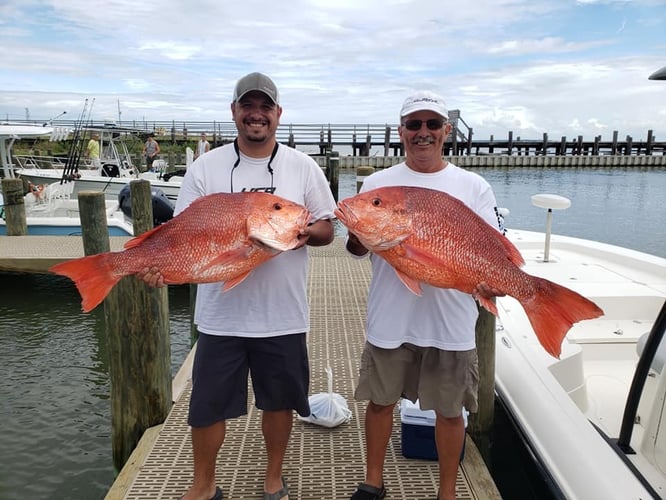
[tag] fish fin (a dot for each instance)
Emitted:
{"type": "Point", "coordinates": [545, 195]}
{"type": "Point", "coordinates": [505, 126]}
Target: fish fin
{"type": "Point", "coordinates": [553, 310]}
{"type": "Point", "coordinates": [513, 253]}
{"type": "Point", "coordinates": [137, 240]}
{"type": "Point", "coordinates": [93, 276]}
{"type": "Point", "coordinates": [417, 254]}
{"type": "Point", "coordinates": [488, 304]}
{"type": "Point", "coordinates": [229, 284]}
{"type": "Point", "coordinates": [413, 285]}
{"type": "Point", "coordinates": [239, 253]}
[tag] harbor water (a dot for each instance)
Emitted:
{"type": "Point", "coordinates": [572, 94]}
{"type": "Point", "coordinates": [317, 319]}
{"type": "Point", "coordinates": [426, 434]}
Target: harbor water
{"type": "Point", "coordinates": [55, 429]}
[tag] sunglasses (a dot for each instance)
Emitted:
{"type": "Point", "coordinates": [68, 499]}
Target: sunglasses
{"type": "Point", "coordinates": [432, 124]}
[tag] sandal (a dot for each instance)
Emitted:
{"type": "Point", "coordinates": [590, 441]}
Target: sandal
{"type": "Point", "coordinates": [278, 495]}
{"type": "Point", "coordinates": [368, 492]}
{"type": "Point", "coordinates": [219, 495]}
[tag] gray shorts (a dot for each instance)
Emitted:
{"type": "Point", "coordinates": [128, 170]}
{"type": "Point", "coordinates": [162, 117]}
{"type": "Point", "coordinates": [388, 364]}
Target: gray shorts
{"type": "Point", "coordinates": [443, 381]}
{"type": "Point", "coordinates": [278, 366]}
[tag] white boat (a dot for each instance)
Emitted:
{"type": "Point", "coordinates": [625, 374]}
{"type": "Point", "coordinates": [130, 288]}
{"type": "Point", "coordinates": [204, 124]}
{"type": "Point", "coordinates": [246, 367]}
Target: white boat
{"type": "Point", "coordinates": [51, 208]}
{"type": "Point", "coordinates": [115, 171]}
{"type": "Point", "coordinates": [594, 437]}
{"type": "Point", "coordinates": [52, 211]}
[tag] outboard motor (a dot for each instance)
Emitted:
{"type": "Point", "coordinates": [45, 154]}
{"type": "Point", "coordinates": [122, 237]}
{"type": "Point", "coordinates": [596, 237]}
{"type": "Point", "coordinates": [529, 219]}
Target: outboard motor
{"type": "Point", "coordinates": [110, 170]}
{"type": "Point", "coordinates": [162, 206]}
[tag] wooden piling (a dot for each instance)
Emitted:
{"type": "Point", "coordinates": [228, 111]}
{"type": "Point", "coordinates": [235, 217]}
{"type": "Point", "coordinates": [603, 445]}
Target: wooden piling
{"type": "Point", "coordinates": [481, 423]}
{"type": "Point", "coordinates": [14, 202]}
{"type": "Point", "coordinates": [137, 323]}
{"type": "Point", "coordinates": [361, 174]}
{"type": "Point", "coordinates": [333, 172]}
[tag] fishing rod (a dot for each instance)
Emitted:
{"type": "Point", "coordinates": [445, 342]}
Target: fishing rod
{"type": "Point", "coordinates": [74, 174]}
{"type": "Point", "coordinates": [66, 173]}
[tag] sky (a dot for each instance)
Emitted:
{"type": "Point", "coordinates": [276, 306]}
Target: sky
{"type": "Point", "coordinates": [562, 67]}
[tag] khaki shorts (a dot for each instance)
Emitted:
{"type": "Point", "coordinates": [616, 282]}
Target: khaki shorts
{"type": "Point", "coordinates": [443, 381]}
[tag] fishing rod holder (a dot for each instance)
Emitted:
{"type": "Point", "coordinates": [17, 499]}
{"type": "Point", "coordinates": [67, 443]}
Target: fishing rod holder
{"type": "Point", "coordinates": [550, 202]}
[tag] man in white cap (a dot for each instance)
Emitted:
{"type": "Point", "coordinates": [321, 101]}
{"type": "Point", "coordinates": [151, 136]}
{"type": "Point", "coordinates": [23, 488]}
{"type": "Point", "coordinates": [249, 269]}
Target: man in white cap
{"type": "Point", "coordinates": [259, 326]}
{"type": "Point", "coordinates": [420, 348]}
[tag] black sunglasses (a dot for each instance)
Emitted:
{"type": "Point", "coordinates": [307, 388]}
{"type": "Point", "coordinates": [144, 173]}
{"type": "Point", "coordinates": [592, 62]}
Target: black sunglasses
{"type": "Point", "coordinates": [432, 124]}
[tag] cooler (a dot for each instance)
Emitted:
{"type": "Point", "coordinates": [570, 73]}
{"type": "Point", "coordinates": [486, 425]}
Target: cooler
{"type": "Point", "coordinates": [418, 431]}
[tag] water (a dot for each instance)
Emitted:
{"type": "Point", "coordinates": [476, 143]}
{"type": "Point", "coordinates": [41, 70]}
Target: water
{"type": "Point", "coordinates": [55, 435]}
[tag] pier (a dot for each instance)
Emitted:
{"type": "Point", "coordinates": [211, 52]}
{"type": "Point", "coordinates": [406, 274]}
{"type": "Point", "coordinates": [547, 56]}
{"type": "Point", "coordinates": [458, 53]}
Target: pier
{"type": "Point", "coordinates": [377, 139]}
{"type": "Point", "coordinates": [321, 463]}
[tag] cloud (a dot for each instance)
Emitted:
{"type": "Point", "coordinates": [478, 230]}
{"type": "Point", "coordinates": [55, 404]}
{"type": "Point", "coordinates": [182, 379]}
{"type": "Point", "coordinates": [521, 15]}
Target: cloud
{"type": "Point", "coordinates": [527, 66]}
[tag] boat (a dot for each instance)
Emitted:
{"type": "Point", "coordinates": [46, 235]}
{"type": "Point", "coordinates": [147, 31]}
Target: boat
{"type": "Point", "coordinates": [51, 211]}
{"type": "Point", "coordinates": [115, 171]}
{"type": "Point", "coordinates": [51, 207]}
{"type": "Point", "coordinates": [594, 419]}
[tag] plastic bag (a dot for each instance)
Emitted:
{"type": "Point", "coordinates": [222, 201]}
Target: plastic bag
{"type": "Point", "coordinates": [328, 409]}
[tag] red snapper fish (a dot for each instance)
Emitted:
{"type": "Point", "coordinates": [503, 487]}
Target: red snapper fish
{"type": "Point", "coordinates": [219, 237]}
{"type": "Point", "coordinates": [432, 237]}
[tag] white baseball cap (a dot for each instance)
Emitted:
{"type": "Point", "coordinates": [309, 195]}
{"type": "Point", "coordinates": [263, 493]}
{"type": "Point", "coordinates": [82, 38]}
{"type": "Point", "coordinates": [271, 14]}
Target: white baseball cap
{"type": "Point", "coordinates": [424, 100]}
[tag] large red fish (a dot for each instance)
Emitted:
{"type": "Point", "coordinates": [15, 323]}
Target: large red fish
{"type": "Point", "coordinates": [431, 237]}
{"type": "Point", "coordinates": [219, 237]}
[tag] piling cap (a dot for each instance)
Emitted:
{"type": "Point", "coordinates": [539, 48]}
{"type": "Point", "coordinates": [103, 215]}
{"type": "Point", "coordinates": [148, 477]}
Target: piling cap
{"type": "Point", "coordinates": [256, 81]}
{"type": "Point", "coordinates": [424, 100]}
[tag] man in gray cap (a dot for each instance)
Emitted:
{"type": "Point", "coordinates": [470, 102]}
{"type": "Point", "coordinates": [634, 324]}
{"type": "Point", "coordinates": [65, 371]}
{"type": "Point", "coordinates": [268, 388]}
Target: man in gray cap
{"type": "Point", "coordinates": [260, 325]}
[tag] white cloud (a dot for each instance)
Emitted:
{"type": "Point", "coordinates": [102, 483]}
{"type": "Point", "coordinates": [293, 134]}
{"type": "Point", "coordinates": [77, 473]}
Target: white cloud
{"type": "Point", "coordinates": [527, 66]}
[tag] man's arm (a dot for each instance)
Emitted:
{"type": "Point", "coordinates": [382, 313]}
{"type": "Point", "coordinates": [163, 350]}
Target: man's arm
{"type": "Point", "coordinates": [317, 234]}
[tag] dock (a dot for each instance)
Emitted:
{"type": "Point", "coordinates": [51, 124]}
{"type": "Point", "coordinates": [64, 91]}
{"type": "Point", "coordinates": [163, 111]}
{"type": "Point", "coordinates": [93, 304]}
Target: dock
{"type": "Point", "coordinates": [321, 463]}
{"type": "Point", "coordinates": [36, 254]}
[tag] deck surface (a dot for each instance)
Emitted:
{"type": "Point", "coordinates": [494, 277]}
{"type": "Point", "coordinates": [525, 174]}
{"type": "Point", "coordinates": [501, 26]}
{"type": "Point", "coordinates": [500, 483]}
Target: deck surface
{"type": "Point", "coordinates": [321, 463]}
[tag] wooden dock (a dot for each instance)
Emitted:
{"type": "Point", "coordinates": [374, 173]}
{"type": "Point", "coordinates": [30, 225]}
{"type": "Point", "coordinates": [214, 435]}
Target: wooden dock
{"type": "Point", "coordinates": [321, 463]}
{"type": "Point", "coordinates": [36, 254]}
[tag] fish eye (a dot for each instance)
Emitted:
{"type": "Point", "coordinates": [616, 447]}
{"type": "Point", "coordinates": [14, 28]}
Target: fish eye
{"type": "Point", "coordinates": [277, 206]}
{"type": "Point", "coordinates": [376, 202]}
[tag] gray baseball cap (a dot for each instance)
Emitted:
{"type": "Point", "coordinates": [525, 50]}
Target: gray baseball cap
{"type": "Point", "coordinates": [256, 81]}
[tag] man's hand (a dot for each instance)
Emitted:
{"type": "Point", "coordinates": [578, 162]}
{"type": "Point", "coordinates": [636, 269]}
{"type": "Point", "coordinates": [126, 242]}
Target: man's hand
{"type": "Point", "coordinates": [485, 291]}
{"type": "Point", "coordinates": [151, 277]}
{"type": "Point", "coordinates": [318, 233]}
{"type": "Point", "coordinates": [354, 245]}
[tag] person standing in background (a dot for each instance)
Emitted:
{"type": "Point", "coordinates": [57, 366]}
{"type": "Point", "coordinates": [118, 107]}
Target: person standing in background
{"type": "Point", "coordinates": [203, 146]}
{"type": "Point", "coordinates": [93, 150]}
{"type": "Point", "coordinates": [150, 151]}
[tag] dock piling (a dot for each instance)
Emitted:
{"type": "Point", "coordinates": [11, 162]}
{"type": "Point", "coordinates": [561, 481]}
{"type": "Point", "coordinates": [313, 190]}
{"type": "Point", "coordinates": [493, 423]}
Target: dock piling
{"type": "Point", "coordinates": [137, 325]}
{"type": "Point", "coordinates": [14, 206]}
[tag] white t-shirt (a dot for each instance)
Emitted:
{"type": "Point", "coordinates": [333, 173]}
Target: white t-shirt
{"type": "Point", "coordinates": [441, 318]}
{"type": "Point", "coordinates": [272, 300]}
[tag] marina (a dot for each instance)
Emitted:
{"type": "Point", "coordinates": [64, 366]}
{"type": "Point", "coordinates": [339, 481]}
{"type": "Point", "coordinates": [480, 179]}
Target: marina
{"type": "Point", "coordinates": [620, 206]}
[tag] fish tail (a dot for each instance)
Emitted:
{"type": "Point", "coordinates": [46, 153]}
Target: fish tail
{"type": "Point", "coordinates": [93, 276]}
{"type": "Point", "coordinates": [553, 310]}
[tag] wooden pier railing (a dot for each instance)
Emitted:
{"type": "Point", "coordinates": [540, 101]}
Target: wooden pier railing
{"type": "Point", "coordinates": [383, 139]}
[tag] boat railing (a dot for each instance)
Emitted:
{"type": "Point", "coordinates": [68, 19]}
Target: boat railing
{"type": "Point", "coordinates": [31, 161]}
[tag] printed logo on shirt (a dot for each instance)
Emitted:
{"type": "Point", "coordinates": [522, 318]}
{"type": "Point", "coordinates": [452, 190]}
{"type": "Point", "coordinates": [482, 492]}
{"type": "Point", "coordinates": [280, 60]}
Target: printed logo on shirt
{"type": "Point", "coordinates": [270, 190]}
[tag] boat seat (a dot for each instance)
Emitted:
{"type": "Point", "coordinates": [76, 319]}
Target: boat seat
{"type": "Point", "coordinates": [659, 357]}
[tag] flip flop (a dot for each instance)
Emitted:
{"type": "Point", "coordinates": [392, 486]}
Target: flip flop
{"type": "Point", "coordinates": [278, 495]}
{"type": "Point", "coordinates": [368, 492]}
{"type": "Point", "coordinates": [219, 494]}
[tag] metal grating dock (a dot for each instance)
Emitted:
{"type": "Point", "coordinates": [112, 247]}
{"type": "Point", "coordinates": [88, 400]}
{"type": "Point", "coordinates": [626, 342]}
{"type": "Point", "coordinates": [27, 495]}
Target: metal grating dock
{"type": "Point", "coordinates": [320, 463]}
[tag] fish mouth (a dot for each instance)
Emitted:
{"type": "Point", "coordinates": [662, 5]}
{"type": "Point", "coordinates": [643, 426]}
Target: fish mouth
{"type": "Point", "coordinates": [345, 214]}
